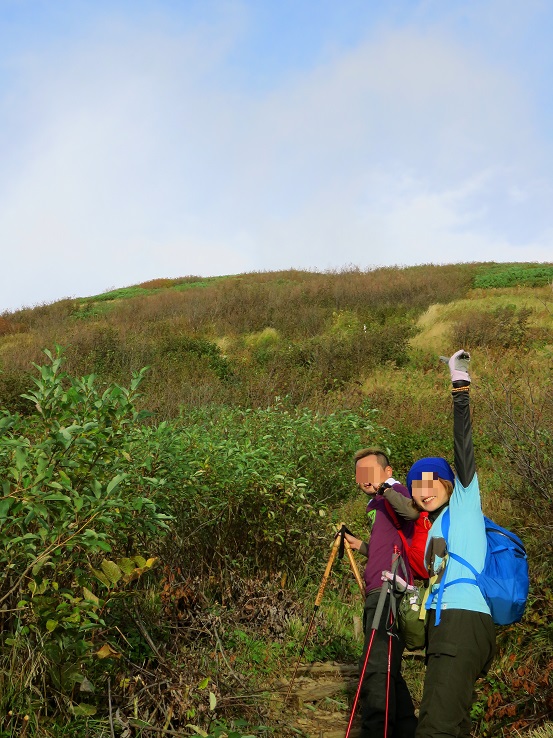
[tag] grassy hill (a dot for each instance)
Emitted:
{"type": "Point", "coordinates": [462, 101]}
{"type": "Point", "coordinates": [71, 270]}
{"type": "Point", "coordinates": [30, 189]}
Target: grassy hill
{"type": "Point", "coordinates": [244, 339]}
{"type": "Point", "coordinates": [193, 504]}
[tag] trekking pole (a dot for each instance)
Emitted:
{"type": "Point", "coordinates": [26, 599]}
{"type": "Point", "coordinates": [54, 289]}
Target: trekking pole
{"type": "Point", "coordinates": [355, 570]}
{"type": "Point", "coordinates": [318, 601]}
{"type": "Point", "coordinates": [374, 628]}
{"type": "Point", "coordinates": [390, 636]}
{"type": "Point", "coordinates": [346, 547]}
{"type": "Point", "coordinates": [393, 609]}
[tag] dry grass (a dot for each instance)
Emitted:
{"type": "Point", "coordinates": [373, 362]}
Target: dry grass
{"type": "Point", "coordinates": [437, 324]}
{"type": "Point", "coordinates": [296, 333]}
{"type": "Point", "coordinates": [546, 731]}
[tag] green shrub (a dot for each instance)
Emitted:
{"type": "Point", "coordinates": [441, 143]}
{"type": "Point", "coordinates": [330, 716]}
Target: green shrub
{"type": "Point", "coordinates": [13, 384]}
{"type": "Point", "coordinates": [511, 275]}
{"type": "Point", "coordinates": [74, 512]}
{"type": "Point", "coordinates": [253, 489]}
{"type": "Point", "coordinates": [346, 353]}
{"type": "Point", "coordinates": [99, 349]}
{"type": "Point", "coordinates": [176, 348]}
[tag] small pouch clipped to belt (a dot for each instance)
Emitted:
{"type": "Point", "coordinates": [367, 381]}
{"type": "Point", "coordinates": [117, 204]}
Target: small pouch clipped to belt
{"type": "Point", "coordinates": [411, 624]}
{"type": "Point", "coordinates": [407, 608]}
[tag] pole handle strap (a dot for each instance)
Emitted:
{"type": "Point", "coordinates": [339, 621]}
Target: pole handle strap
{"type": "Point", "coordinates": [342, 532]}
{"type": "Point", "coordinates": [380, 606]}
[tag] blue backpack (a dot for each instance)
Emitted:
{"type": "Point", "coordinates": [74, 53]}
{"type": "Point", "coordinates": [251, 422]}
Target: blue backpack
{"type": "Point", "coordinates": [504, 581]}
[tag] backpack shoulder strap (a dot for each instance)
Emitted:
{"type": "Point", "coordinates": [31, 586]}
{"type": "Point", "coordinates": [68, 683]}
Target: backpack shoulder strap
{"type": "Point", "coordinates": [441, 588]}
{"type": "Point", "coordinates": [445, 524]}
{"type": "Point", "coordinates": [460, 559]}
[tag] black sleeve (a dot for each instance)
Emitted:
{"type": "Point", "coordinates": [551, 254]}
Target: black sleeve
{"type": "Point", "coordinates": [462, 435]}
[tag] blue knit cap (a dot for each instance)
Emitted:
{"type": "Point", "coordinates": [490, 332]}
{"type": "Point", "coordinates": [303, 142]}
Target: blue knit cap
{"type": "Point", "coordinates": [433, 464]}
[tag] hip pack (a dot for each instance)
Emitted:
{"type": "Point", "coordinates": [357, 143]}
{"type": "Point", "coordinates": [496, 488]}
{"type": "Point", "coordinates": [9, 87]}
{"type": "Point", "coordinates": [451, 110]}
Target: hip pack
{"type": "Point", "coordinates": [504, 580]}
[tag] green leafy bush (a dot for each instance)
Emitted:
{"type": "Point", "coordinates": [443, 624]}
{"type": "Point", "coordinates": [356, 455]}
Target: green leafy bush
{"type": "Point", "coordinates": [13, 384]}
{"type": "Point", "coordinates": [72, 502]}
{"type": "Point", "coordinates": [252, 489]}
{"type": "Point", "coordinates": [346, 353]}
{"type": "Point", "coordinates": [177, 349]}
{"type": "Point", "coordinates": [510, 275]}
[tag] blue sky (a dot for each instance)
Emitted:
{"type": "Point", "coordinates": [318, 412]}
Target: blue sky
{"type": "Point", "coordinates": [160, 139]}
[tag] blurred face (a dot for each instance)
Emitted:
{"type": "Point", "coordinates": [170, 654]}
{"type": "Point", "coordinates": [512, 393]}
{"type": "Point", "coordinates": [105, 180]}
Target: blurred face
{"type": "Point", "coordinates": [429, 493]}
{"type": "Point", "coordinates": [369, 475]}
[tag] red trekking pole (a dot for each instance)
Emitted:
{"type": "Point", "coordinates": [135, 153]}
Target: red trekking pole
{"type": "Point", "coordinates": [393, 593]}
{"type": "Point", "coordinates": [390, 636]}
{"type": "Point", "coordinates": [374, 628]}
{"type": "Point", "coordinates": [386, 587]}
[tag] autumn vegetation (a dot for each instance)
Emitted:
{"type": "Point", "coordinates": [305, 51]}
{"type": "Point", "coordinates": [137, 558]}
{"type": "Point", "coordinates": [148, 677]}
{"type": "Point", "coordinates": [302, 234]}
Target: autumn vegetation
{"type": "Point", "coordinates": [174, 456]}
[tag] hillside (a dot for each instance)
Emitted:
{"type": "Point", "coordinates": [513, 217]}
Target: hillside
{"type": "Point", "coordinates": [306, 335]}
{"type": "Point", "coordinates": [164, 530]}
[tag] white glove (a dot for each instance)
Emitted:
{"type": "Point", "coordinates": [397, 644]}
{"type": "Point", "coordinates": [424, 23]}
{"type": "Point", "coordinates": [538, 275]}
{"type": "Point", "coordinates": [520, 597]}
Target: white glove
{"type": "Point", "coordinates": [458, 365]}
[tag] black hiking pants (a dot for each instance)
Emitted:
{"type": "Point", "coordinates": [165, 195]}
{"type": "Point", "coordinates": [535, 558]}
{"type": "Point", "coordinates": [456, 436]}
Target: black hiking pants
{"type": "Point", "coordinates": [460, 649]}
{"type": "Point", "coordinates": [402, 722]}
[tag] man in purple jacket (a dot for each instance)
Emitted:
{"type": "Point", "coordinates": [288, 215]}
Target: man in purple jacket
{"type": "Point", "coordinates": [373, 473]}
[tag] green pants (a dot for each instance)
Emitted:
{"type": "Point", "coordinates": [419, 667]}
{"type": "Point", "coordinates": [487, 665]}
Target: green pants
{"type": "Point", "coordinates": [460, 649]}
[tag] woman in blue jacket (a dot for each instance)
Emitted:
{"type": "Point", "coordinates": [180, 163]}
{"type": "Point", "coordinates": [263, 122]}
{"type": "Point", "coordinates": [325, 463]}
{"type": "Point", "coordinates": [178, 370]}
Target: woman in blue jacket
{"type": "Point", "coordinates": [461, 633]}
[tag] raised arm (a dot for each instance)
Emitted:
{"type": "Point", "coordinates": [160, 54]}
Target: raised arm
{"type": "Point", "coordinates": [462, 427]}
{"type": "Point", "coordinates": [402, 505]}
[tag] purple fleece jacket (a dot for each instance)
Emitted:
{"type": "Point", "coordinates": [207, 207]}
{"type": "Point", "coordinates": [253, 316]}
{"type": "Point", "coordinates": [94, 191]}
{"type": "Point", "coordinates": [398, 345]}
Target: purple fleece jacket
{"type": "Point", "coordinates": [384, 537]}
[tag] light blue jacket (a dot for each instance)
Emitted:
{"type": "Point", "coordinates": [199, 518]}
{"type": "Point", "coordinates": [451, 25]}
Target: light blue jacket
{"type": "Point", "coordinates": [466, 538]}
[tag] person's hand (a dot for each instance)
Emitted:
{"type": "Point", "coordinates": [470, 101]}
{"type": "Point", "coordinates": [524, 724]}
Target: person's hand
{"type": "Point", "coordinates": [353, 541]}
{"type": "Point", "coordinates": [458, 365]}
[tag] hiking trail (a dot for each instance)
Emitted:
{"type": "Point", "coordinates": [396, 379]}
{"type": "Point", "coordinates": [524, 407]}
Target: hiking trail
{"type": "Point", "coordinates": [320, 703]}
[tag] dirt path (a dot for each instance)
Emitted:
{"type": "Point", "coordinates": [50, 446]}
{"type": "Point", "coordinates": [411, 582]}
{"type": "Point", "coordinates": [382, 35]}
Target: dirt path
{"type": "Point", "coordinates": [321, 699]}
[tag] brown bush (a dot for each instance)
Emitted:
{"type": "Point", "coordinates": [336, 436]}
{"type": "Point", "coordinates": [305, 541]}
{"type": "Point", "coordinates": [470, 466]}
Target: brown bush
{"type": "Point", "coordinates": [41, 317]}
{"type": "Point", "coordinates": [156, 284]}
{"type": "Point", "coordinates": [505, 327]}
{"type": "Point", "coordinates": [519, 420]}
{"type": "Point", "coordinates": [313, 355]}
{"type": "Point", "coordinates": [5, 327]}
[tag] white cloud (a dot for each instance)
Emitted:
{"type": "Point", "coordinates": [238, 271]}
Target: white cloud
{"type": "Point", "coordinates": [408, 224]}
{"type": "Point", "coordinates": [145, 159]}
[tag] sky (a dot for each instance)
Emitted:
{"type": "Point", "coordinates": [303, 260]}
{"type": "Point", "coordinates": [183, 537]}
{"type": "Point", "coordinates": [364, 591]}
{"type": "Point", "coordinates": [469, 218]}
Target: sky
{"type": "Point", "coordinates": [142, 139]}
